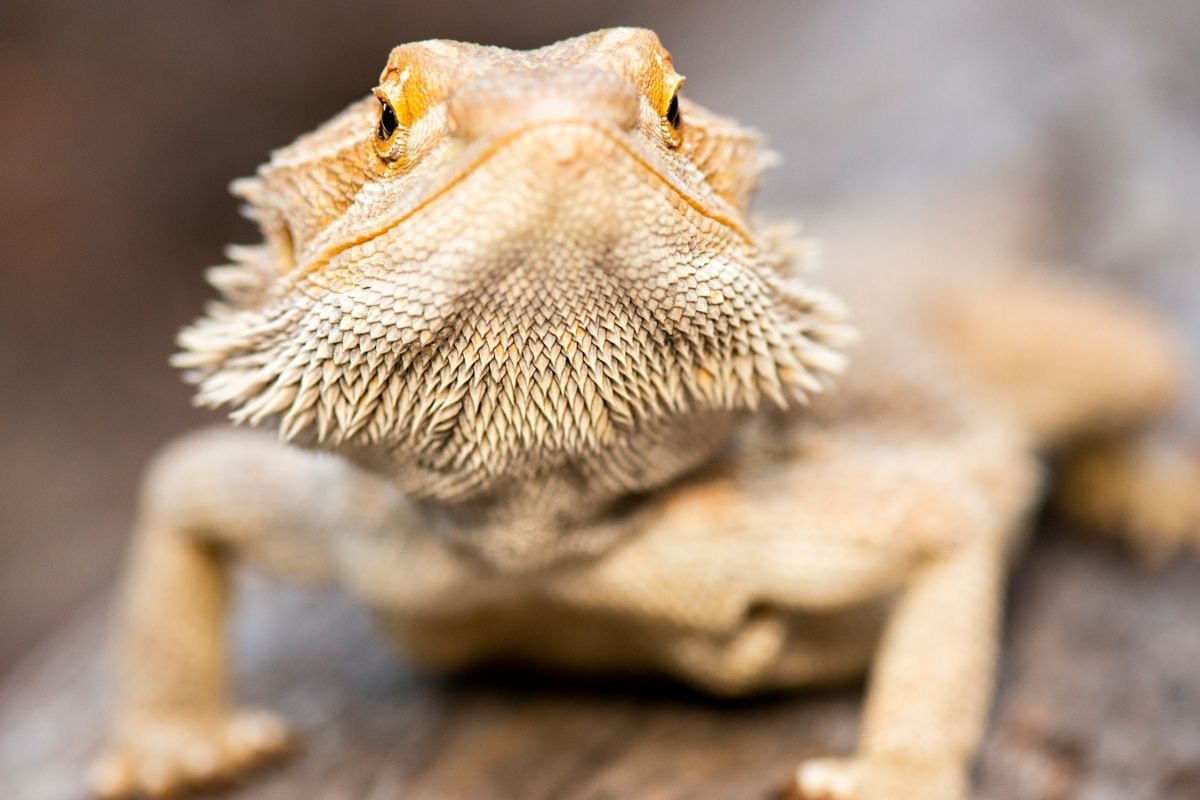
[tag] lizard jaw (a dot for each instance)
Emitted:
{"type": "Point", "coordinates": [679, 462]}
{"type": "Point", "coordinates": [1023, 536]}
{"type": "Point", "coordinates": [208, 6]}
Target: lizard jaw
{"type": "Point", "coordinates": [560, 301]}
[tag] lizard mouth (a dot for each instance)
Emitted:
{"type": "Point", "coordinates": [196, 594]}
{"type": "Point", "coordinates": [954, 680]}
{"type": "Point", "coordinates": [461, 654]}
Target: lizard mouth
{"type": "Point", "coordinates": [559, 143]}
{"type": "Point", "coordinates": [568, 148]}
{"type": "Point", "coordinates": [554, 297]}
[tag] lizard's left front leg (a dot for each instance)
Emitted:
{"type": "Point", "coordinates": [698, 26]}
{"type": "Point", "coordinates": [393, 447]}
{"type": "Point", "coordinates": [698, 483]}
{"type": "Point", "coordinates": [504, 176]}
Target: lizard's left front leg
{"type": "Point", "coordinates": [920, 526]}
{"type": "Point", "coordinates": [930, 687]}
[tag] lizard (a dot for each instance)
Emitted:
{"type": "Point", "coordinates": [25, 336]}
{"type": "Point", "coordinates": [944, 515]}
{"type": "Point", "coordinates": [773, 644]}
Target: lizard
{"type": "Point", "coordinates": [516, 365]}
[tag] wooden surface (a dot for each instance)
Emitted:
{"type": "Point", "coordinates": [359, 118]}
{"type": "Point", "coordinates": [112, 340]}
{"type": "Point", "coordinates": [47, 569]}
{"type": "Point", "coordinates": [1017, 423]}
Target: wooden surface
{"type": "Point", "coordinates": [1100, 700]}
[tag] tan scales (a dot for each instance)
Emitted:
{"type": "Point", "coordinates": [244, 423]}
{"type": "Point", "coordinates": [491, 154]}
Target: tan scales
{"type": "Point", "coordinates": [544, 391]}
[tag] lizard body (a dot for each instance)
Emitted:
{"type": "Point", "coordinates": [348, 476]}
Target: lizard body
{"type": "Point", "coordinates": [544, 391]}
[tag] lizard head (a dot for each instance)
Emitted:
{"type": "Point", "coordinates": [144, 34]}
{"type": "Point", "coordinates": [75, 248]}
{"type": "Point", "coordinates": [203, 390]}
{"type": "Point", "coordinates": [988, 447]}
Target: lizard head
{"type": "Point", "coordinates": [508, 264]}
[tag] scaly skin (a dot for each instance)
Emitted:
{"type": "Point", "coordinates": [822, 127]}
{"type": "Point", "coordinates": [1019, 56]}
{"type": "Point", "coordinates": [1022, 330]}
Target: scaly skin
{"type": "Point", "coordinates": [541, 389]}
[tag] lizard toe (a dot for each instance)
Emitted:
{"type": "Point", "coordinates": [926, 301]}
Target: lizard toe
{"type": "Point", "coordinates": [166, 758]}
{"type": "Point", "coordinates": [827, 779]}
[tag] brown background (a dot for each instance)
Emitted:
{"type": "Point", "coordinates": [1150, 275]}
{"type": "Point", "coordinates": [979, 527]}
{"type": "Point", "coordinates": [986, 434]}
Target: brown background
{"type": "Point", "coordinates": [121, 122]}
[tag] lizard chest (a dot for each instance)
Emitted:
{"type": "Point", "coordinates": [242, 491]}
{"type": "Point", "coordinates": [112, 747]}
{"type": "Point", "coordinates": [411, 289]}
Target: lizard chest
{"type": "Point", "coordinates": [707, 616]}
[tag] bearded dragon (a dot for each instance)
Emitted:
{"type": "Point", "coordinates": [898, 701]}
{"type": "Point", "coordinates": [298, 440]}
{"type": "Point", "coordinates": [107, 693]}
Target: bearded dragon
{"type": "Point", "coordinates": [538, 388]}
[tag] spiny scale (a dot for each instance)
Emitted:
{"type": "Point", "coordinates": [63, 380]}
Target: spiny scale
{"type": "Point", "coordinates": [600, 315]}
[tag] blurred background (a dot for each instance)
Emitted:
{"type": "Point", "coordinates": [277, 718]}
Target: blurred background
{"type": "Point", "coordinates": [121, 123]}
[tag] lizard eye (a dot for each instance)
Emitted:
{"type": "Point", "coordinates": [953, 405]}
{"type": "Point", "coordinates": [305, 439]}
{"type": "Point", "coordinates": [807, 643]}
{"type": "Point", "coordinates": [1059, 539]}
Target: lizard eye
{"type": "Point", "coordinates": [389, 133]}
{"type": "Point", "coordinates": [673, 121]}
{"type": "Point", "coordinates": [387, 121]}
{"type": "Point", "coordinates": [673, 118]}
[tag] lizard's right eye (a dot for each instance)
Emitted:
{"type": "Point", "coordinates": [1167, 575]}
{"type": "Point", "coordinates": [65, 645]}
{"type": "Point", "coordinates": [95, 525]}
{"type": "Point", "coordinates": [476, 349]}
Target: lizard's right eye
{"type": "Point", "coordinates": [387, 121]}
{"type": "Point", "coordinates": [389, 132]}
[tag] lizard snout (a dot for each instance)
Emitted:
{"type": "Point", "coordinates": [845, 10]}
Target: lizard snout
{"type": "Point", "coordinates": [500, 103]}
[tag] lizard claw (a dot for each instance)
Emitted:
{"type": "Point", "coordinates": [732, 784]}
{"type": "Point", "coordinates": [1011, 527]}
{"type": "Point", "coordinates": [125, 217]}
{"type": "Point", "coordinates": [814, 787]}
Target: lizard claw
{"type": "Point", "coordinates": [878, 779]}
{"type": "Point", "coordinates": [827, 779]}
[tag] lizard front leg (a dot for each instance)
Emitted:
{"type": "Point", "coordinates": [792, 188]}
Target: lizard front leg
{"type": "Point", "coordinates": [916, 528]}
{"type": "Point", "coordinates": [930, 524]}
{"type": "Point", "coordinates": [175, 725]}
{"type": "Point", "coordinates": [930, 687]}
{"type": "Point", "coordinates": [211, 499]}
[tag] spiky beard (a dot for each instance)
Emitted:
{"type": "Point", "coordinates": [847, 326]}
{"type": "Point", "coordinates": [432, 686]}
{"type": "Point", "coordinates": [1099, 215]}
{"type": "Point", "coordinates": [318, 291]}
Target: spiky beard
{"type": "Point", "coordinates": [620, 371]}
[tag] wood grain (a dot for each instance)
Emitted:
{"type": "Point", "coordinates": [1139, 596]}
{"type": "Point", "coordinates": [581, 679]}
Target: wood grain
{"type": "Point", "coordinates": [1099, 700]}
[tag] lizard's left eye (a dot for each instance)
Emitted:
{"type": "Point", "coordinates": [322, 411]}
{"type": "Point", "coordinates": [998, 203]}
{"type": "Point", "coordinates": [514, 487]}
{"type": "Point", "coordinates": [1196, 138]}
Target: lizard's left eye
{"type": "Point", "coordinates": [673, 118]}
{"type": "Point", "coordinates": [673, 121]}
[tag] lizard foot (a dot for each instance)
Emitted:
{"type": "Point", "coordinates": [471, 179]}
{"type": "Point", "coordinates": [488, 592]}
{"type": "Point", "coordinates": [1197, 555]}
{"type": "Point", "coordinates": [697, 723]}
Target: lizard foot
{"type": "Point", "coordinates": [860, 779]}
{"type": "Point", "coordinates": [1146, 493]}
{"type": "Point", "coordinates": [163, 757]}
{"type": "Point", "coordinates": [827, 779]}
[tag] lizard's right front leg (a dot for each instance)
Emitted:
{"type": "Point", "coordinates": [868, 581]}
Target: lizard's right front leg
{"type": "Point", "coordinates": [209, 499]}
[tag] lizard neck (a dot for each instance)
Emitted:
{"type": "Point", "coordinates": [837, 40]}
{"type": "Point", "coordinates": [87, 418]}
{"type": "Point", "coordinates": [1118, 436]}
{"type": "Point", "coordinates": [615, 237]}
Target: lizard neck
{"type": "Point", "coordinates": [576, 507]}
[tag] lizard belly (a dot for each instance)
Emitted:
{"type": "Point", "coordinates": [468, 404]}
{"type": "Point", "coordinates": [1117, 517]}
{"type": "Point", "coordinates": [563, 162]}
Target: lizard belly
{"type": "Point", "coordinates": [445, 612]}
{"type": "Point", "coordinates": [770, 648]}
